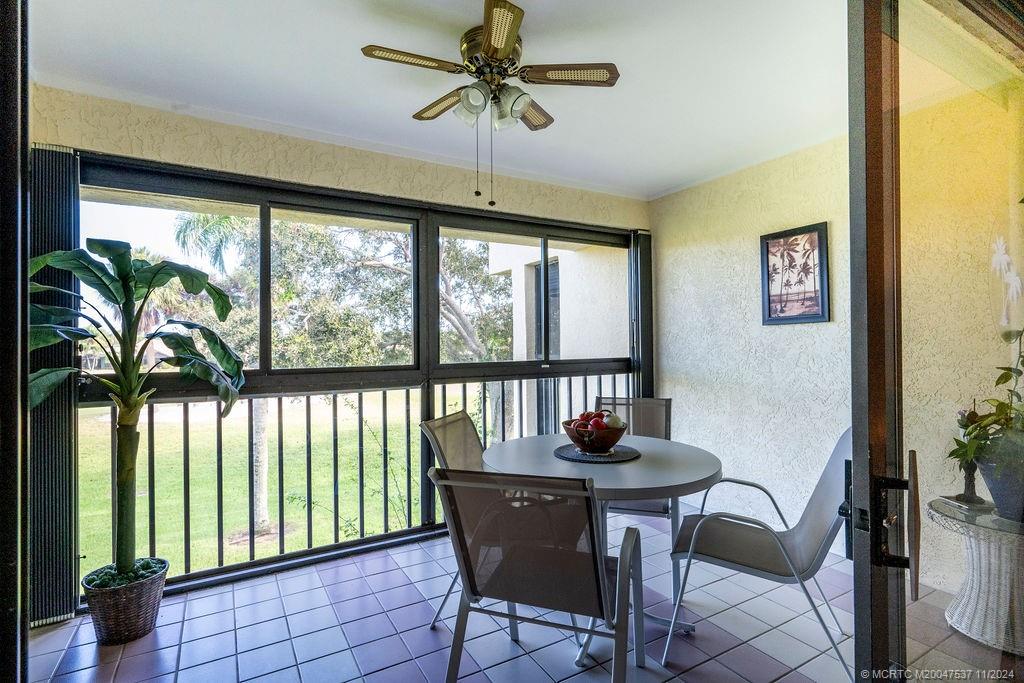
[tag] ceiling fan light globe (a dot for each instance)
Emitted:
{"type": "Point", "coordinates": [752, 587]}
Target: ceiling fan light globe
{"type": "Point", "coordinates": [475, 97]}
{"type": "Point", "coordinates": [515, 101]}
{"type": "Point", "coordinates": [500, 117]}
{"type": "Point", "coordinates": [465, 115]}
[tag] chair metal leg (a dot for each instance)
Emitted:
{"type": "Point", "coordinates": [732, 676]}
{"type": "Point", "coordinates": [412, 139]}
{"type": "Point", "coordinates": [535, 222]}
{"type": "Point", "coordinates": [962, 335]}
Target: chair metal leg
{"type": "Point", "coordinates": [839, 627]}
{"type": "Point", "coordinates": [619, 653]}
{"type": "Point", "coordinates": [575, 635]}
{"type": "Point", "coordinates": [458, 638]}
{"type": "Point", "coordinates": [828, 634]}
{"type": "Point", "coordinates": [675, 609]}
{"type": "Point", "coordinates": [513, 623]}
{"type": "Point", "coordinates": [639, 641]}
{"type": "Point", "coordinates": [437, 614]}
{"type": "Point", "coordinates": [581, 655]}
{"type": "Point", "coordinates": [673, 513]}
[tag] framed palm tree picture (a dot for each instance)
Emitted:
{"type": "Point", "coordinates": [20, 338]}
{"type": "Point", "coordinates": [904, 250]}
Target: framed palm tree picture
{"type": "Point", "coordinates": [794, 276]}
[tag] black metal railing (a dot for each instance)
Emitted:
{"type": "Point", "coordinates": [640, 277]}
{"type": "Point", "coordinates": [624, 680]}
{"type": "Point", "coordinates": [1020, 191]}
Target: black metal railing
{"type": "Point", "coordinates": [503, 409]}
{"type": "Point", "coordinates": [289, 474]}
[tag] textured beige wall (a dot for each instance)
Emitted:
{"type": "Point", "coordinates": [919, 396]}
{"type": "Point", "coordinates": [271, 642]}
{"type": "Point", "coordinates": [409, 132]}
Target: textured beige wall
{"type": "Point", "coordinates": [770, 401]}
{"type": "Point", "coordinates": [61, 117]}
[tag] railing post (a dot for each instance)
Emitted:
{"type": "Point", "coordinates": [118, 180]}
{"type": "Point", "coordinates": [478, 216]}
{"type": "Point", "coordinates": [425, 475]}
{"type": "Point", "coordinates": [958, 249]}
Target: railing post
{"type": "Point", "coordinates": [427, 511]}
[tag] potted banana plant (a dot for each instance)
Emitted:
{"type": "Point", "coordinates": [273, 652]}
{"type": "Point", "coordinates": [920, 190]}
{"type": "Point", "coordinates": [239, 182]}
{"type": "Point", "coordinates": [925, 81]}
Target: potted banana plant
{"type": "Point", "coordinates": [124, 597]}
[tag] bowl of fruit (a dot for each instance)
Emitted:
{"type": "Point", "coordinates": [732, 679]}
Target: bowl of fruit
{"type": "Point", "coordinates": [595, 432]}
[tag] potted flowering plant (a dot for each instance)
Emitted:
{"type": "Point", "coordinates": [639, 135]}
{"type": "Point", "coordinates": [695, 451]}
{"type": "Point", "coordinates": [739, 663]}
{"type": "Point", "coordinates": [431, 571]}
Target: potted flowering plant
{"type": "Point", "coordinates": [994, 441]}
{"type": "Point", "coordinates": [124, 597]}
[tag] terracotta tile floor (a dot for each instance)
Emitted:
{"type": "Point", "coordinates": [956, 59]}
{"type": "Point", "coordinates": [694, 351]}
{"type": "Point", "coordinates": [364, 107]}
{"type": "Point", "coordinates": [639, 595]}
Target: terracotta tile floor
{"type": "Point", "coordinates": [365, 618]}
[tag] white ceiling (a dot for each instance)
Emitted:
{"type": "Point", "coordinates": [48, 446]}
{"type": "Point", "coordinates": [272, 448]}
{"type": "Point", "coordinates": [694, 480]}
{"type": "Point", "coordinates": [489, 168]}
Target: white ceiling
{"type": "Point", "coordinates": [707, 87]}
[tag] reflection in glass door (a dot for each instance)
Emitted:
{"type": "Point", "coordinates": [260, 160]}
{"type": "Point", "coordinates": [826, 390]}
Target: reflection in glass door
{"type": "Point", "coordinates": [956, 262]}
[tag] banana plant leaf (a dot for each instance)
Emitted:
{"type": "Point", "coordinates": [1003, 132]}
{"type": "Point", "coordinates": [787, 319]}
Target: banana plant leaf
{"type": "Point", "coordinates": [221, 301]}
{"type": "Point", "coordinates": [118, 253]}
{"type": "Point", "coordinates": [176, 342]}
{"type": "Point", "coordinates": [48, 335]}
{"type": "Point", "coordinates": [159, 274]}
{"type": "Point", "coordinates": [42, 383]}
{"type": "Point", "coordinates": [229, 361]}
{"type": "Point", "coordinates": [39, 262]}
{"type": "Point", "coordinates": [36, 288]}
{"type": "Point", "coordinates": [89, 271]}
{"type": "Point", "coordinates": [197, 367]}
{"type": "Point", "coordinates": [41, 314]}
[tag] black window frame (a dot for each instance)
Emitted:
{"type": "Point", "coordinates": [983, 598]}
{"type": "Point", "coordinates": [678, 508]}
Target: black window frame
{"type": "Point", "coordinates": [427, 219]}
{"type": "Point", "coordinates": [542, 308]}
{"type": "Point", "coordinates": [266, 317]}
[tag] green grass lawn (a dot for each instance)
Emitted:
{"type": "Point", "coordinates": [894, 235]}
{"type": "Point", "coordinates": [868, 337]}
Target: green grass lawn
{"type": "Point", "coordinates": [95, 484]}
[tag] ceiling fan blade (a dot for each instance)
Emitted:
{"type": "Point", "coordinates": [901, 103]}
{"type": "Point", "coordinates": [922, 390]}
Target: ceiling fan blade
{"type": "Point", "coordinates": [502, 20]}
{"type": "Point", "coordinates": [602, 74]}
{"type": "Point", "coordinates": [439, 106]}
{"type": "Point", "coordinates": [390, 55]}
{"type": "Point", "coordinates": [536, 118]}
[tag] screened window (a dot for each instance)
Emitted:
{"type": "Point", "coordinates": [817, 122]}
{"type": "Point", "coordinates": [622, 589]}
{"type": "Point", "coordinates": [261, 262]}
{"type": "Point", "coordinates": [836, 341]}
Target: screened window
{"type": "Point", "coordinates": [588, 294]}
{"type": "Point", "coordinates": [341, 291]}
{"type": "Point", "coordinates": [554, 307]}
{"type": "Point", "coordinates": [219, 238]}
{"type": "Point", "coordinates": [485, 281]}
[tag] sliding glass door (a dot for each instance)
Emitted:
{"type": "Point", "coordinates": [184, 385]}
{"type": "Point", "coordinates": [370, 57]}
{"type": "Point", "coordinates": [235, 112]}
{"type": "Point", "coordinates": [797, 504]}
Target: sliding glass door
{"type": "Point", "coordinates": [937, 163]}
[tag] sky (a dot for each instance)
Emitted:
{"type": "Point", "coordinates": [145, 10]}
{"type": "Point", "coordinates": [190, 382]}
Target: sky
{"type": "Point", "coordinates": [140, 226]}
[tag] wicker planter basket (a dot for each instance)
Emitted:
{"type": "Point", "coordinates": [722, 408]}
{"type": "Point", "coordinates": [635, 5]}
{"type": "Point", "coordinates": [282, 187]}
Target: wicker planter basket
{"type": "Point", "coordinates": [128, 612]}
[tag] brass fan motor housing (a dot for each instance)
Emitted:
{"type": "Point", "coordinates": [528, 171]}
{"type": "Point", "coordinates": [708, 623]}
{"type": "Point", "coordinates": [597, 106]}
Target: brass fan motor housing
{"type": "Point", "coordinates": [473, 57]}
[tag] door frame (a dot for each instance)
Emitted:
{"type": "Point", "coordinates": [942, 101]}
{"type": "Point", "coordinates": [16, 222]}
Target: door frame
{"type": "Point", "coordinates": [879, 549]}
{"type": "Point", "coordinates": [880, 643]}
{"type": "Point", "coordinates": [13, 358]}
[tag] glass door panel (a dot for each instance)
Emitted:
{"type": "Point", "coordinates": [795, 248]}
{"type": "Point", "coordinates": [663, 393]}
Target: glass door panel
{"type": "Point", "coordinates": [956, 269]}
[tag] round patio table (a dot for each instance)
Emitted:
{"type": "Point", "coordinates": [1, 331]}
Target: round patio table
{"type": "Point", "coordinates": [665, 469]}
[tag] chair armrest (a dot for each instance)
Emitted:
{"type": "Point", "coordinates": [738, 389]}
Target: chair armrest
{"type": "Point", "coordinates": [751, 484]}
{"type": "Point", "coordinates": [753, 521]}
{"type": "Point", "coordinates": [629, 560]}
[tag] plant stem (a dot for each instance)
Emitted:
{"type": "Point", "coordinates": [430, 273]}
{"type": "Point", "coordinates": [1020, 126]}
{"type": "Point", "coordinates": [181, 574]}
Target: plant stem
{"type": "Point", "coordinates": [129, 408]}
{"type": "Point", "coordinates": [127, 450]}
{"type": "Point", "coordinates": [1016, 376]}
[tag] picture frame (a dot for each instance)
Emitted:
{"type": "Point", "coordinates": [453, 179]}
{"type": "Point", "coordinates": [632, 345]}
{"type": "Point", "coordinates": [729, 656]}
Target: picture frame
{"type": "Point", "coordinates": [794, 276]}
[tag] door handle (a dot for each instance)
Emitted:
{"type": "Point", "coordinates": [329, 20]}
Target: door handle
{"type": "Point", "coordinates": [913, 525]}
{"type": "Point", "coordinates": [882, 520]}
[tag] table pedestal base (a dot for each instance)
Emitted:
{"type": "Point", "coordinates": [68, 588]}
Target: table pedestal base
{"type": "Point", "coordinates": [990, 605]}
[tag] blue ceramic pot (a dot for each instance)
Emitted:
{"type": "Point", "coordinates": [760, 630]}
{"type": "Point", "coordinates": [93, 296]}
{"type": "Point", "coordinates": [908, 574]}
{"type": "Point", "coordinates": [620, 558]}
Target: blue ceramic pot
{"type": "Point", "coordinates": [1007, 489]}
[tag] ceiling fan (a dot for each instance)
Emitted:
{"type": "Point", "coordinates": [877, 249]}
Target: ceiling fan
{"type": "Point", "coordinates": [491, 54]}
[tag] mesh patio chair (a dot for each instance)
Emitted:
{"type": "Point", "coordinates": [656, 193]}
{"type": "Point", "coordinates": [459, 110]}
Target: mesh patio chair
{"type": "Point", "coordinates": [644, 417]}
{"type": "Point", "coordinates": [535, 541]}
{"type": "Point", "coordinates": [457, 445]}
{"type": "Point", "coordinates": [748, 545]}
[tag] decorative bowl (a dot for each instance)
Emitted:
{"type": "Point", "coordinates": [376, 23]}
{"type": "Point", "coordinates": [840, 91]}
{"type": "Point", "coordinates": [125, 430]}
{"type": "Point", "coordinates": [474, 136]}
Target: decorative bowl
{"type": "Point", "coordinates": [593, 441]}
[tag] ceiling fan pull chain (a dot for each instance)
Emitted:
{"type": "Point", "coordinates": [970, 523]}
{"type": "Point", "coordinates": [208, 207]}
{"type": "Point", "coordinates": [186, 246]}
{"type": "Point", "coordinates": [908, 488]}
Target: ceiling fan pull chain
{"type": "Point", "coordinates": [491, 203]}
{"type": "Point", "coordinates": [477, 193]}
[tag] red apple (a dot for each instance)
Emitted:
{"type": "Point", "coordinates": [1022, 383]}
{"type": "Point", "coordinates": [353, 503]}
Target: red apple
{"type": "Point", "coordinates": [587, 415]}
{"type": "Point", "coordinates": [598, 423]}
